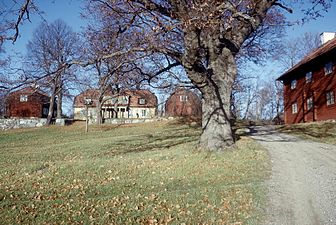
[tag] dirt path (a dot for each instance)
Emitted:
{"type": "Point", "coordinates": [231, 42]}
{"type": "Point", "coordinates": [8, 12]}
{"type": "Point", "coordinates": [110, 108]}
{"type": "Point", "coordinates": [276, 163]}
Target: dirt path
{"type": "Point", "coordinates": [302, 188]}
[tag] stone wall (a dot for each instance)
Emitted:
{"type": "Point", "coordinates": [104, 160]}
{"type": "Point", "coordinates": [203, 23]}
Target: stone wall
{"type": "Point", "coordinates": [6, 124]}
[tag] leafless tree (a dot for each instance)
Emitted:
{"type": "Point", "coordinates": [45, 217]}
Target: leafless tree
{"type": "Point", "coordinates": [204, 37]}
{"type": "Point", "coordinates": [51, 48]}
{"type": "Point", "coordinates": [295, 49]}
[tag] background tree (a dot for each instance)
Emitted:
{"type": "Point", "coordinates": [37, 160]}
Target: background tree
{"type": "Point", "coordinates": [51, 48]}
{"type": "Point", "coordinates": [295, 49]}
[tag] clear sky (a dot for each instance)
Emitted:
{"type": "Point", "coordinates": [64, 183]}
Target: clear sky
{"type": "Point", "coordinates": [69, 11]}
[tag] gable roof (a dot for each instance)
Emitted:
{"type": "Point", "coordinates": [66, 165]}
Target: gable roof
{"type": "Point", "coordinates": [325, 48]}
{"type": "Point", "coordinates": [30, 90]}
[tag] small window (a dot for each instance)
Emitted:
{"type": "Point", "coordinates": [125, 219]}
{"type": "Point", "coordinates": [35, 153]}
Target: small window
{"type": "Point", "coordinates": [309, 103]}
{"type": "Point", "coordinates": [294, 108]}
{"type": "Point", "coordinates": [144, 113]}
{"type": "Point", "coordinates": [183, 98]}
{"type": "Point", "coordinates": [293, 84]}
{"type": "Point", "coordinates": [330, 98]}
{"type": "Point", "coordinates": [23, 98]}
{"type": "Point", "coordinates": [142, 101]}
{"type": "Point", "coordinates": [309, 77]}
{"type": "Point", "coordinates": [328, 68]}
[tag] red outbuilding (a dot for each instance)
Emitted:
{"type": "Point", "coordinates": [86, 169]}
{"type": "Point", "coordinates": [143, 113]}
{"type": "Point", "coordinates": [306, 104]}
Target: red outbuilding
{"type": "Point", "coordinates": [26, 103]}
{"type": "Point", "coordinates": [183, 102]}
{"type": "Point", "coordinates": [310, 87]}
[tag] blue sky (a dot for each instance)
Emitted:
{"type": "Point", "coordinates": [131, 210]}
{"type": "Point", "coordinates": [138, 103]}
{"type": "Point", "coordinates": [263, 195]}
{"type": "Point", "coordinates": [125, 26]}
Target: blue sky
{"type": "Point", "coordinates": [69, 11]}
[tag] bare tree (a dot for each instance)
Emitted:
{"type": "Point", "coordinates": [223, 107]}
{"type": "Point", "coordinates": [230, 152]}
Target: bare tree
{"type": "Point", "coordinates": [51, 48]}
{"type": "Point", "coordinates": [204, 37]}
{"type": "Point", "coordinates": [295, 49]}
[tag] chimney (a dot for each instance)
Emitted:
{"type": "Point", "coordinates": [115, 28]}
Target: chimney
{"type": "Point", "coordinates": [327, 36]}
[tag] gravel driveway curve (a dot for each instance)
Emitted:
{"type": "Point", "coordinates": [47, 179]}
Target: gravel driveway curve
{"type": "Point", "coordinates": [302, 187]}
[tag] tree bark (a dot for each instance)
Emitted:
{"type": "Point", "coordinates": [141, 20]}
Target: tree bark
{"type": "Point", "coordinates": [99, 111]}
{"type": "Point", "coordinates": [59, 104]}
{"type": "Point", "coordinates": [51, 108]}
{"type": "Point", "coordinates": [217, 134]}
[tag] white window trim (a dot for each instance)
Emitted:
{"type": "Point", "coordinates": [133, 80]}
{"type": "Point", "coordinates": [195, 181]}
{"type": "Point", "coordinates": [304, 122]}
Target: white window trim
{"type": "Point", "coordinates": [142, 101]}
{"type": "Point", "coordinates": [330, 98]}
{"type": "Point", "coordinates": [23, 98]}
{"type": "Point", "coordinates": [183, 98]}
{"type": "Point", "coordinates": [310, 103]}
{"type": "Point", "coordinates": [294, 108]}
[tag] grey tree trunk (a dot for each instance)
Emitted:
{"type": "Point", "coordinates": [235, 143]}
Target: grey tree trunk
{"type": "Point", "coordinates": [217, 134]}
{"type": "Point", "coordinates": [99, 111]}
{"type": "Point", "coordinates": [59, 104]}
{"type": "Point", "coordinates": [51, 108]}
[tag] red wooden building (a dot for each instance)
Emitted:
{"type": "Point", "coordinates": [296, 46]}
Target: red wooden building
{"type": "Point", "coordinates": [183, 103]}
{"type": "Point", "coordinates": [310, 87]}
{"type": "Point", "coordinates": [26, 103]}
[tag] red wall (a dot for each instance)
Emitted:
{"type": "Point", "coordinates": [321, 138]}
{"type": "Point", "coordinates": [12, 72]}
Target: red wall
{"type": "Point", "coordinates": [33, 107]}
{"type": "Point", "coordinates": [317, 89]}
{"type": "Point", "coordinates": [191, 107]}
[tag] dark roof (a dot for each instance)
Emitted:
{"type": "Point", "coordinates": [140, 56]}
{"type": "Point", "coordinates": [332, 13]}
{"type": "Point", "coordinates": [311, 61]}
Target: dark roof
{"type": "Point", "coordinates": [325, 48]}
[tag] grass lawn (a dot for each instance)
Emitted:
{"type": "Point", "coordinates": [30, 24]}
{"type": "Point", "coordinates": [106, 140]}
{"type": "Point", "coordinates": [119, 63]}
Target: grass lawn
{"type": "Point", "coordinates": [132, 174]}
{"type": "Point", "coordinates": [318, 131]}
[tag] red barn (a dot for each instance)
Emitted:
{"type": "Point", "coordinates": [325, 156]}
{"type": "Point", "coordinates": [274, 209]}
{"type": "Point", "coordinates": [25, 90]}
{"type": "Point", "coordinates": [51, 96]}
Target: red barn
{"type": "Point", "coordinates": [310, 87]}
{"type": "Point", "coordinates": [27, 102]}
{"type": "Point", "coordinates": [183, 102]}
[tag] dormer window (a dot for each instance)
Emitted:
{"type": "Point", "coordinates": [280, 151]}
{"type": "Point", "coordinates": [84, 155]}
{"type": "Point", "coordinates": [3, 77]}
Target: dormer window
{"type": "Point", "coordinates": [23, 98]}
{"type": "Point", "coordinates": [309, 77]}
{"type": "Point", "coordinates": [142, 101]}
{"type": "Point", "coordinates": [328, 68]}
{"type": "Point", "coordinates": [183, 98]}
{"type": "Point", "coordinates": [293, 84]}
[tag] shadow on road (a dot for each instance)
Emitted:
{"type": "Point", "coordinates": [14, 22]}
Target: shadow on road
{"type": "Point", "coordinates": [267, 134]}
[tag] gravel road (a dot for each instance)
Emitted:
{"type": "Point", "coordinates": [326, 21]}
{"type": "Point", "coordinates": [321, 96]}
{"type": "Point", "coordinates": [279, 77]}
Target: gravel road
{"type": "Point", "coordinates": [302, 187]}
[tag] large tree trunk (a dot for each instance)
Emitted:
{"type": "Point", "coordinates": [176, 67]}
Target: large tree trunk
{"type": "Point", "coordinates": [217, 132]}
{"type": "Point", "coordinates": [59, 104]}
{"type": "Point", "coordinates": [99, 111]}
{"type": "Point", "coordinates": [216, 88]}
{"type": "Point", "coordinates": [51, 108]}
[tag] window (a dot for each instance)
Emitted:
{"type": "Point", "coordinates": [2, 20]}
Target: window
{"type": "Point", "coordinates": [293, 84]}
{"type": "Point", "coordinates": [309, 77]}
{"type": "Point", "coordinates": [183, 98]}
{"type": "Point", "coordinates": [294, 108]}
{"type": "Point", "coordinates": [309, 103]}
{"type": "Point", "coordinates": [142, 101]}
{"type": "Point", "coordinates": [23, 98]}
{"type": "Point", "coordinates": [330, 98]}
{"type": "Point", "coordinates": [143, 113]}
{"type": "Point", "coordinates": [328, 68]}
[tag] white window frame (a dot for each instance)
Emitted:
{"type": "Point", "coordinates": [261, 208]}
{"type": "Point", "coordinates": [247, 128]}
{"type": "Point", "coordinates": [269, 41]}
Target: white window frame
{"type": "Point", "coordinates": [293, 84]}
{"type": "Point", "coordinates": [142, 101]}
{"type": "Point", "coordinates": [309, 77]}
{"type": "Point", "coordinates": [310, 103]}
{"type": "Point", "coordinates": [328, 68]}
{"type": "Point", "coordinates": [23, 98]}
{"type": "Point", "coordinates": [330, 98]}
{"type": "Point", "coordinates": [294, 108]}
{"type": "Point", "coordinates": [183, 98]}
